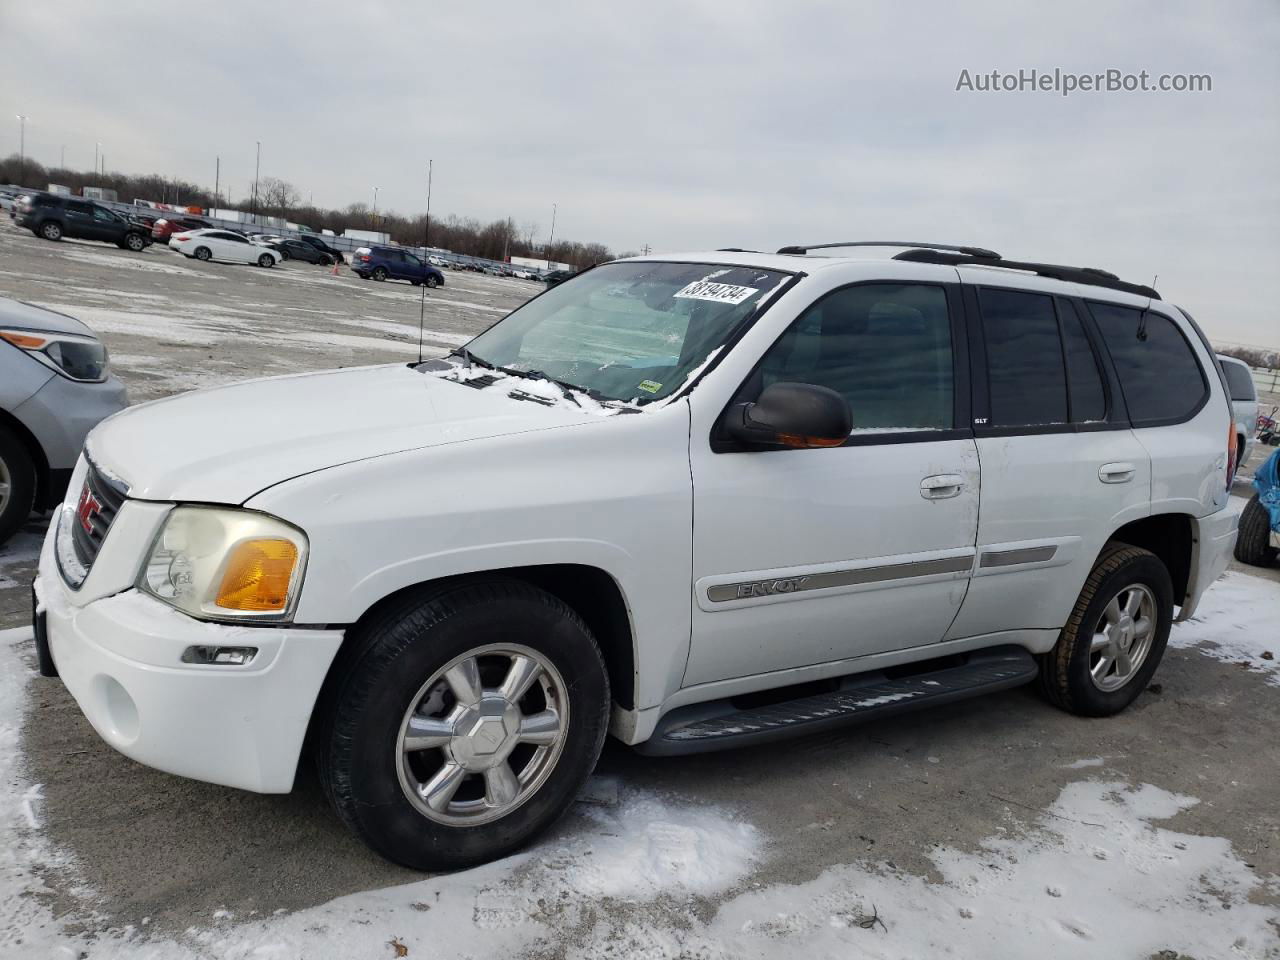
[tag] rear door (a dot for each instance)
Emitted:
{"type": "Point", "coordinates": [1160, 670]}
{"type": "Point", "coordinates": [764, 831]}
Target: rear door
{"type": "Point", "coordinates": [805, 557]}
{"type": "Point", "coordinates": [78, 220]}
{"type": "Point", "coordinates": [1061, 468]}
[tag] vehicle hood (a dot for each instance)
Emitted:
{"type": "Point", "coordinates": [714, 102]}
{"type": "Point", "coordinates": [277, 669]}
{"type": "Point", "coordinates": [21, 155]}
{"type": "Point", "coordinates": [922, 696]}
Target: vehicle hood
{"type": "Point", "coordinates": [14, 314]}
{"type": "Point", "coordinates": [225, 444]}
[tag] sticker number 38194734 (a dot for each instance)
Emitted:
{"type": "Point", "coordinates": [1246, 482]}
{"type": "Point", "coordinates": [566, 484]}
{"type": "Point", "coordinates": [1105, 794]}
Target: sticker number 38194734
{"type": "Point", "coordinates": [717, 292]}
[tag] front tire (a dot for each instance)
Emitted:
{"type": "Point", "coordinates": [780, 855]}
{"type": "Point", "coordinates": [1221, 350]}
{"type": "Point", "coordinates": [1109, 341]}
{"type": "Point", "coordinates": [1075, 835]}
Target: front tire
{"type": "Point", "coordinates": [432, 282]}
{"type": "Point", "coordinates": [1253, 541]}
{"type": "Point", "coordinates": [266, 260]}
{"type": "Point", "coordinates": [134, 242]}
{"type": "Point", "coordinates": [461, 723]}
{"type": "Point", "coordinates": [17, 484]}
{"type": "Point", "coordinates": [51, 230]}
{"type": "Point", "coordinates": [1115, 637]}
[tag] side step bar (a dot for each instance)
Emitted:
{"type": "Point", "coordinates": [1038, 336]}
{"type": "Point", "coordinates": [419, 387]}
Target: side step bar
{"type": "Point", "coordinates": [701, 728]}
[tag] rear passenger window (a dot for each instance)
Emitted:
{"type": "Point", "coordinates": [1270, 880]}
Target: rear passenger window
{"type": "Point", "coordinates": [885, 347]}
{"type": "Point", "coordinates": [1239, 381]}
{"type": "Point", "coordinates": [1085, 394]}
{"type": "Point", "coordinates": [1025, 368]}
{"type": "Point", "coordinates": [1159, 374]}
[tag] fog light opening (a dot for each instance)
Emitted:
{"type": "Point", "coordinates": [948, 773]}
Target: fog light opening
{"type": "Point", "coordinates": [219, 656]}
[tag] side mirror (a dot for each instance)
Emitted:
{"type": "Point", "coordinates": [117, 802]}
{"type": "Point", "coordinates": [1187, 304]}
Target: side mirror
{"type": "Point", "coordinates": [797, 415]}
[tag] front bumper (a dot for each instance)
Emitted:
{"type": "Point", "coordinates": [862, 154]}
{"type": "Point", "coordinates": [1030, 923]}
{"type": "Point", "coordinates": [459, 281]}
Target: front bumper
{"type": "Point", "coordinates": [120, 656]}
{"type": "Point", "coordinates": [1213, 539]}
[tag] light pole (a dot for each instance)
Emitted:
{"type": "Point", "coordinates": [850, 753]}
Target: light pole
{"type": "Point", "coordinates": [62, 160]}
{"type": "Point", "coordinates": [22, 145]}
{"type": "Point", "coordinates": [257, 161]}
{"type": "Point", "coordinates": [551, 238]}
{"type": "Point", "coordinates": [426, 233]}
{"type": "Point", "coordinates": [375, 208]}
{"type": "Point", "coordinates": [96, 146]}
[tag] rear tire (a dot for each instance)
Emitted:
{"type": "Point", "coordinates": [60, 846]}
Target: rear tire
{"type": "Point", "coordinates": [17, 484]}
{"type": "Point", "coordinates": [1074, 674]}
{"type": "Point", "coordinates": [380, 274]}
{"type": "Point", "coordinates": [203, 253]}
{"type": "Point", "coordinates": [1253, 541]}
{"type": "Point", "coordinates": [51, 230]}
{"type": "Point", "coordinates": [390, 675]}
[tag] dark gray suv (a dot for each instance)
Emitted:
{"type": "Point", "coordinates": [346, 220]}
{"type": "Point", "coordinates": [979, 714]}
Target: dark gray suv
{"type": "Point", "coordinates": [53, 217]}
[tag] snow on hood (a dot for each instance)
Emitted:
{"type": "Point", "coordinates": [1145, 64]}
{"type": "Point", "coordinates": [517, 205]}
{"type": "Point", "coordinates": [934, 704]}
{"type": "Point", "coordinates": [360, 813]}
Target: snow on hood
{"type": "Point", "coordinates": [225, 444]}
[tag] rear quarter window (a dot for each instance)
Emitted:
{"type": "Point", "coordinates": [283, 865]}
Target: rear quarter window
{"type": "Point", "coordinates": [1160, 377]}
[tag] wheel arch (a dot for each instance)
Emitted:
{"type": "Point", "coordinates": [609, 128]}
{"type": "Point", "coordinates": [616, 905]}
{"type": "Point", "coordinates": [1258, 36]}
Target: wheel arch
{"type": "Point", "coordinates": [36, 451]}
{"type": "Point", "coordinates": [1171, 537]}
{"type": "Point", "coordinates": [593, 593]}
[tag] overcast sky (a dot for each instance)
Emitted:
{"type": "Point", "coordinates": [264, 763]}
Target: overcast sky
{"type": "Point", "coordinates": [688, 125]}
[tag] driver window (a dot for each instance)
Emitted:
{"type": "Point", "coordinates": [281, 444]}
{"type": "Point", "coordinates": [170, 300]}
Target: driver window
{"type": "Point", "coordinates": [885, 347]}
{"type": "Point", "coordinates": [102, 213]}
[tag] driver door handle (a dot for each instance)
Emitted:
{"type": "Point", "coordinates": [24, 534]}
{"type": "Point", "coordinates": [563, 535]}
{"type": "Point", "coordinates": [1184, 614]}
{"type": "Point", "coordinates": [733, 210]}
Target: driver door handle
{"type": "Point", "coordinates": [941, 486]}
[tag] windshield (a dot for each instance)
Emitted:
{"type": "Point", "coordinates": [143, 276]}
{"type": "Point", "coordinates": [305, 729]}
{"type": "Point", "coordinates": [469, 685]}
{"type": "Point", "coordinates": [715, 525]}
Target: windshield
{"type": "Point", "coordinates": [628, 331]}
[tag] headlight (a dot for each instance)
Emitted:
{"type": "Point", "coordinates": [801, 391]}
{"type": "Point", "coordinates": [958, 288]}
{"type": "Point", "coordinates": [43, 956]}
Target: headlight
{"type": "Point", "coordinates": [75, 357]}
{"type": "Point", "coordinates": [225, 564]}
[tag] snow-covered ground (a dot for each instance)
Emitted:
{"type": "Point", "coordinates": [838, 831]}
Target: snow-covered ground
{"type": "Point", "coordinates": [1095, 874]}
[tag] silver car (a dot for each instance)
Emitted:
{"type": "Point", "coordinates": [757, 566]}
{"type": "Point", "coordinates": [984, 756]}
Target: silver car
{"type": "Point", "coordinates": [55, 386]}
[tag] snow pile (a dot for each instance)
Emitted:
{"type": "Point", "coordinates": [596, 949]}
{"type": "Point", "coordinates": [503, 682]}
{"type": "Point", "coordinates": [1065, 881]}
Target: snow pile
{"type": "Point", "coordinates": [1238, 621]}
{"type": "Point", "coordinates": [1092, 878]}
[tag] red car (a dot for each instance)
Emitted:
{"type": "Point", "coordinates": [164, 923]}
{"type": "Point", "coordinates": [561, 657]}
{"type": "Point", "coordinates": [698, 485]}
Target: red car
{"type": "Point", "coordinates": [167, 226]}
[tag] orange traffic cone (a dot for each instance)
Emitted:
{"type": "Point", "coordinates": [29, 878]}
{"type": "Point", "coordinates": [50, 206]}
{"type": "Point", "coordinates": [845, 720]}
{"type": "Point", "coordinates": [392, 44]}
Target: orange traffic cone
{"type": "Point", "coordinates": [334, 271]}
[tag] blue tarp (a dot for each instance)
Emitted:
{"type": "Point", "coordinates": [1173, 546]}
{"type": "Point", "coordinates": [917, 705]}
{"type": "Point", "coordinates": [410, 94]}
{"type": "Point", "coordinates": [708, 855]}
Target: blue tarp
{"type": "Point", "coordinates": [1268, 483]}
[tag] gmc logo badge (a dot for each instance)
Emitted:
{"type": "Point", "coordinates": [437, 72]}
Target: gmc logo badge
{"type": "Point", "coordinates": [88, 507]}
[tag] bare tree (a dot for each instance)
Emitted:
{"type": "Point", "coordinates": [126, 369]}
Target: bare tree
{"type": "Point", "coordinates": [278, 194]}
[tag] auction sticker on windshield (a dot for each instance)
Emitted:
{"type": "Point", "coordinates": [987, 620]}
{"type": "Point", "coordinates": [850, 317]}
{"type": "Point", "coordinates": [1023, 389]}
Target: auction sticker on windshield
{"type": "Point", "coordinates": [717, 292]}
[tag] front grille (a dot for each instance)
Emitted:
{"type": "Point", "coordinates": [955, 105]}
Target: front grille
{"type": "Point", "coordinates": [100, 500]}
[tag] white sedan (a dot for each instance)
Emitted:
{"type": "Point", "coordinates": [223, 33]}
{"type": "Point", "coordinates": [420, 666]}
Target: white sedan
{"type": "Point", "coordinates": [223, 245]}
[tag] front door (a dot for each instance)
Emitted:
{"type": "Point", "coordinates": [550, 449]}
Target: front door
{"type": "Point", "coordinates": [804, 557]}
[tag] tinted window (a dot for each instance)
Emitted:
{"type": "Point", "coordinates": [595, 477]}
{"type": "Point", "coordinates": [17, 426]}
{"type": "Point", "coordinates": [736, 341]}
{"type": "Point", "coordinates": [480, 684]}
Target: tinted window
{"type": "Point", "coordinates": [1158, 371]}
{"type": "Point", "coordinates": [1084, 379]}
{"type": "Point", "coordinates": [1025, 369]}
{"type": "Point", "coordinates": [1239, 381]}
{"type": "Point", "coordinates": [885, 347]}
{"type": "Point", "coordinates": [102, 213]}
{"type": "Point", "coordinates": [79, 206]}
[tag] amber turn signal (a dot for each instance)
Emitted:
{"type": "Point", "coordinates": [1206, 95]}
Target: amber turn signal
{"type": "Point", "coordinates": [258, 575]}
{"type": "Point", "coordinates": [24, 340]}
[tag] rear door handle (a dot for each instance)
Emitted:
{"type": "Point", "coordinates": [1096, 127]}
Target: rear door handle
{"type": "Point", "coordinates": [942, 486]}
{"type": "Point", "coordinates": [1116, 472]}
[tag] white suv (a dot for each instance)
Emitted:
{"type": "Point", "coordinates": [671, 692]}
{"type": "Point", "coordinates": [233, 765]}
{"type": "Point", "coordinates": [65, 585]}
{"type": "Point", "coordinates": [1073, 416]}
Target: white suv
{"type": "Point", "coordinates": [692, 501]}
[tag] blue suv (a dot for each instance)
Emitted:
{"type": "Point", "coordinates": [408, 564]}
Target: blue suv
{"type": "Point", "coordinates": [388, 263]}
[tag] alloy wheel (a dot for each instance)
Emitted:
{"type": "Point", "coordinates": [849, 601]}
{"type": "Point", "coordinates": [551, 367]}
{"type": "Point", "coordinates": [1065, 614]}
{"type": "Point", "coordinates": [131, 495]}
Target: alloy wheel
{"type": "Point", "coordinates": [1122, 637]}
{"type": "Point", "coordinates": [482, 735]}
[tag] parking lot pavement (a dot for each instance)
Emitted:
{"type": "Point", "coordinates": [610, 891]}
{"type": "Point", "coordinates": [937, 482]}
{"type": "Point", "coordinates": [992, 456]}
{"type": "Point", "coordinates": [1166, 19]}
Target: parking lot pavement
{"type": "Point", "coordinates": [998, 822]}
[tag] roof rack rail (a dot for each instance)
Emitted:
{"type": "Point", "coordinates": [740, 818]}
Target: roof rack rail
{"type": "Point", "coordinates": [970, 251]}
{"type": "Point", "coordinates": [1090, 276]}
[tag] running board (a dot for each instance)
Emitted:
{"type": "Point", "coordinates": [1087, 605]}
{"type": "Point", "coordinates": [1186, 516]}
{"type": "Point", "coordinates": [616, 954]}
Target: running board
{"type": "Point", "coordinates": [701, 728]}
